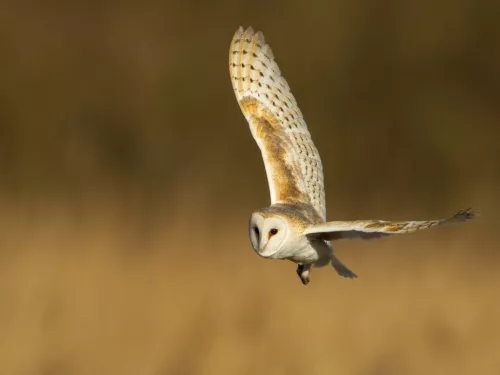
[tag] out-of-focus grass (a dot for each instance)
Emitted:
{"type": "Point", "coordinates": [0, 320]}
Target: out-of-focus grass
{"type": "Point", "coordinates": [104, 293]}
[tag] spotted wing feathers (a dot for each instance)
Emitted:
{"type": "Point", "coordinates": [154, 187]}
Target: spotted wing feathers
{"type": "Point", "coordinates": [371, 229]}
{"type": "Point", "coordinates": [292, 162]}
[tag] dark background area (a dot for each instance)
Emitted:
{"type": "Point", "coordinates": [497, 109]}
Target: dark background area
{"type": "Point", "coordinates": [128, 174]}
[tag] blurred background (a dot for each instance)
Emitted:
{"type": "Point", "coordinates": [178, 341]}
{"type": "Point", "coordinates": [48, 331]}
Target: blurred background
{"type": "Point", "coordinates": [128, 174]}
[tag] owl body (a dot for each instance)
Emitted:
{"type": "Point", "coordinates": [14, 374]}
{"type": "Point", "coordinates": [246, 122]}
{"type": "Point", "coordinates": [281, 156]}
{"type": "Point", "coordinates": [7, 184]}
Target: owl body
{"type": "Point", "coordinates": [294, 226]}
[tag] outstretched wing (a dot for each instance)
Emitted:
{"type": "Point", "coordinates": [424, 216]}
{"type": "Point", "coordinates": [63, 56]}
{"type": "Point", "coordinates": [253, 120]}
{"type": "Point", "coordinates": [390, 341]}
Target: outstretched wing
{"type": "Point", "coordinates": [371, 229]}
{"type": "Point", "coordinates": [292, 162]}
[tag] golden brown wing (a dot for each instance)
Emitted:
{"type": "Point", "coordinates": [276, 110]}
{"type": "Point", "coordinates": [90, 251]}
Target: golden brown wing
{"type": "Point", "coordinates": [292, 162]}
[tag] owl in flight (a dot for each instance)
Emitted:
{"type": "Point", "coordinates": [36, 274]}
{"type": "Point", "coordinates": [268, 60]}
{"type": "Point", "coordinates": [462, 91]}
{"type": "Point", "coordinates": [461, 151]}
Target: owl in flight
{"type": "Point", "coordinates": [294, 227]}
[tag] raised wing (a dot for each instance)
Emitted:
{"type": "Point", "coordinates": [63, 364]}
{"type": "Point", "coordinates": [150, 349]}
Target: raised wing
{"type": "Point", "coordinates": [371, 229]}
{"type": "Point", "coordinates": [292, 162]}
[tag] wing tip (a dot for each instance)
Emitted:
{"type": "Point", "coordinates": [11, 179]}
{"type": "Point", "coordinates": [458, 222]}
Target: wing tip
{"type": "Point", "coordinates": [238, 33]}
{"type": "Point", "coordinates": [465, 215]}
{"type": "Point", "coordinates": [249, 33]}
{"type": "Point", "coordinates": [260, 37]}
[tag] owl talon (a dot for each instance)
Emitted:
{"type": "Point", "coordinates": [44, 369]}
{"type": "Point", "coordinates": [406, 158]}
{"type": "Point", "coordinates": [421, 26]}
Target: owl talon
{"type": "Point", "coordinates": [303, 272]}
{"type": "Point", "coordinates": [300, 268]}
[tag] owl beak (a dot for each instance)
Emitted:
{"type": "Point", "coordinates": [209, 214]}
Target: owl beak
{"type": "Point", "coordinates": [263, 244]}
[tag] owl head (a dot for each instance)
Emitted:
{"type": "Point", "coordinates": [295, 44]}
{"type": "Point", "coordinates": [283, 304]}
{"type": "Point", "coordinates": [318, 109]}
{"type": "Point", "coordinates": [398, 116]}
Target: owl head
{"type": "Point", "coordinates": [269, 234]}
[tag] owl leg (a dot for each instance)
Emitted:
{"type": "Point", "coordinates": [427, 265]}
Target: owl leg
{"type": "Point", "coordinates": [303, 270]}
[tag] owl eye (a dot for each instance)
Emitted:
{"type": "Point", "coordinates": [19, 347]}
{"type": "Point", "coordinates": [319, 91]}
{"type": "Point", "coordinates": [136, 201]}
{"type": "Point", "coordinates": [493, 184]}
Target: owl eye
{"type": "Point", "coordinates": [256, 230]}
{"type": "Point", "coordinates": [273, 231]}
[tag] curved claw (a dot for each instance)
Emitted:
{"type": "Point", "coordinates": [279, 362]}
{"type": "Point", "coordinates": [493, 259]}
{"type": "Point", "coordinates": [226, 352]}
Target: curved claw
{"type": "Point", "coordinates": [303, 272]}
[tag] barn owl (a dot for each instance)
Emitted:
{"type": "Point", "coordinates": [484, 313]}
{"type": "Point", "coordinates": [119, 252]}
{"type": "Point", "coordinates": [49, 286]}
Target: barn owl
{"type": "Point", "coordinates": [294, 227]}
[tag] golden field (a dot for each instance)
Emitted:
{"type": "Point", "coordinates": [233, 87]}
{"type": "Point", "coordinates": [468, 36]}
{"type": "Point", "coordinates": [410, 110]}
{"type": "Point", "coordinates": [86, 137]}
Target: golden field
{"type": "Point", "coordinates": [107, 293]}
{"type": "Point", "coordinates": [128, 174]}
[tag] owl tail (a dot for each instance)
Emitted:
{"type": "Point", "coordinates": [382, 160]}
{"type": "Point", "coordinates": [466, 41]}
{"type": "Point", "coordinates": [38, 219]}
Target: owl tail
{"type": "Point", "coordinates": [341, 269]}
